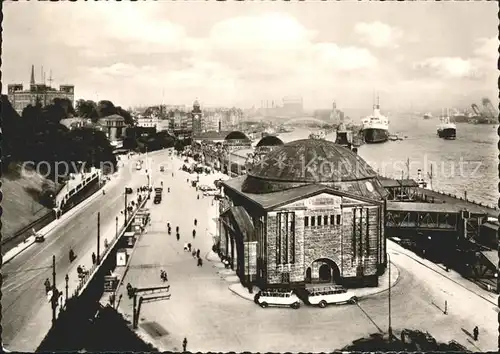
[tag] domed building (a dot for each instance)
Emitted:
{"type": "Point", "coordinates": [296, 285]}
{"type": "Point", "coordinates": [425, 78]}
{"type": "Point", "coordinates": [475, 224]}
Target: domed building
{"type": "Point", "coordinates": [310, 212]}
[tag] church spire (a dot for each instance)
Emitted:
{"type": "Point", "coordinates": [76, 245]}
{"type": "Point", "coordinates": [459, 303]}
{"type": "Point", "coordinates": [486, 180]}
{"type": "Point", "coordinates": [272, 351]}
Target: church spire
{"type": "Point", "coordinates": [32, 80]}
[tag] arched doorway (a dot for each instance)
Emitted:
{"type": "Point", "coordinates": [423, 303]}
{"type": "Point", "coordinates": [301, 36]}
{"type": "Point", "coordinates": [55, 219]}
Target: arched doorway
{"type": "Point", "coordinates": [325, 273]}
{"type": "Point", "coordinates": [308, 275]}
{"type": "Point", "coordinates": [323, 270]}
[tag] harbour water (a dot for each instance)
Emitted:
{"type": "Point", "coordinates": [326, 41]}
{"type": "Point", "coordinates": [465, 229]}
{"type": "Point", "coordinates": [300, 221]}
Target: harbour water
{"type": "Point", "coordinates": [469, 163]}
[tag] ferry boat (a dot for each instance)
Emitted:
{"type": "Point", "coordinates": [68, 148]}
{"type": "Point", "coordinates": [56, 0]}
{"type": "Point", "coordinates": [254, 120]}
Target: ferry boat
{"type": "Point", "coordinates": [376, 126]}
{"type": "Point", "coordinates": [447, 129]}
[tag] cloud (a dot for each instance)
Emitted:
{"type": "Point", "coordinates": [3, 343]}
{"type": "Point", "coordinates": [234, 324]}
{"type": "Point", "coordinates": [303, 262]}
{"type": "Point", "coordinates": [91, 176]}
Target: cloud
{"type": "Point", "coordinates": [447, 67]}
{"type": "Point", "coordinates": [379, 34]}
{"type": "Point", "coordinates": [487, 48]}
{"type": "Point", "coordinates": [477, 67]}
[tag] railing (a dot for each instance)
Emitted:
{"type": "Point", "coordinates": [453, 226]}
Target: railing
{"type": "Point", "coordinates": [87, 277]}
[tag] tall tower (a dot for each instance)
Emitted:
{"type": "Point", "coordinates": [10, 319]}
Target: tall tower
{"type": "Point", "coordinates": [32, 80]}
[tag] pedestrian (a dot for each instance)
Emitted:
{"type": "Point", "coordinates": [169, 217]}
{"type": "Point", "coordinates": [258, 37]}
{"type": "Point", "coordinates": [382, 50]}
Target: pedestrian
{"type": "Point", "coordinates": [198, 253]}
{"type": "Point", "coordinates": [47, 285]}
{"type": "Point", "coordinates": [94, 258]}
{"type": "Point", "coordinates": [198, 197]}
{"type": "Point", "coordinates": [189, 247]}
{"type": "Point", "coordinates": [194, 233]}
{"type": "Point", "coordinates": [168, 189]}
{"type": "Point", "coordinates": [195, 222]}
{"type": "Point", "coordinates": [200, 262]}
{"type": "Point", "coordinates": [177, 228]}
{"type": "Point", "coordinates": [475, 332]}
{"type": "Point", "coordinates": [178, 237]}
{"type": "Point", "coordinates": [193, 253]}
{"type": "Point", "coordinates": [184, 344]}
{"type": "Point", "coordinates": [185, 247]}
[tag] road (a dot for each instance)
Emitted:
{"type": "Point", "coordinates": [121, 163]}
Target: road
{"type": "Point", "coordinates": [25, 311]}
{"type": "Point", "coordinates": [212, 318]}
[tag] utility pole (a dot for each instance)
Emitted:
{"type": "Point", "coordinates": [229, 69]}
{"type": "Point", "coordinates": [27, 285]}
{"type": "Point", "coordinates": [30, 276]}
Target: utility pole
{"type": "Point", "coordinates": [390, 327]}
{"type": "Point", "coordinates": [54, 296]}
{"type": "Point", "coordinates": [116, 226]}
{"type": "Point", "coordinates": [98, 260]}
{"type": "Point", "coordinates": [125, 210]}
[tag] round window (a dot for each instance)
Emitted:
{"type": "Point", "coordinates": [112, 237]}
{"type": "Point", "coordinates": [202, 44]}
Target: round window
{"type": "Point", "coordinates": [369, 186]}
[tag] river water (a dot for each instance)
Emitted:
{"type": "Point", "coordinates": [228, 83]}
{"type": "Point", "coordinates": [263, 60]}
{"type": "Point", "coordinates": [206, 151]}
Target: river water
{"type": "Point", "coordinates": [469, 163]}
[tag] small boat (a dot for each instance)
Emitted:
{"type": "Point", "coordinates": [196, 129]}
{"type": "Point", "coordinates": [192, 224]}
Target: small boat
{"type": "Point", "coordinates": [394, 138]}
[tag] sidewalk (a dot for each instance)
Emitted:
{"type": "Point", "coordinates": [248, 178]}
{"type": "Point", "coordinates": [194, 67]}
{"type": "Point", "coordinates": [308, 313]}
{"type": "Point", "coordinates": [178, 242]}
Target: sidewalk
{"type": "Point", "coordinates": [440, 269]}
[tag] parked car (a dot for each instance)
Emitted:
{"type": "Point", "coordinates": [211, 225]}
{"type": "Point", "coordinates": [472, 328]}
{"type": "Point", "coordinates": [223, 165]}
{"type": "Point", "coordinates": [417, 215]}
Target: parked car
{"type": "Point", "coordinates": [39, 238]}
{"type": "Point", "coordinates": [329, 295]}
{"type": "Point", "coordinates": [157, 200]}
{"type": "Point", "coordinates": [128, 190]}
{"type": "Point", "coordinates": [162, 168]}
{"type": "Point", "coordinates": [277, 297]}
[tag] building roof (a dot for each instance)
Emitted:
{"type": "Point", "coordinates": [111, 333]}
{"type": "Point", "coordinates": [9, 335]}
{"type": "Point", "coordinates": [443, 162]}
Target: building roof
{"type": "Point", "coordinates": [423, 207]}
{"type": "Point", "coordinates": [270, 140]}
{"type": "Point", "coordinates": [113, 117]}
{"type": "Point", "coordinates": [313, 161]}
{"type": "Point", "coordinates": [397, 183]}
{"type": "Point", "coordinates": [273, 200]}
{"type": "Point", "coordinates": [243, 223]}
{"type": "Point", "coordinates": [236, 135]}
{"type": "Point", "coordinates": [211, 135]}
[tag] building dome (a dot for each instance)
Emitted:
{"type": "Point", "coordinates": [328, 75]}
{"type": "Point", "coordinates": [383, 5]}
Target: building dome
{"type": "Point", "coordinates": [313, 161]}
{"type": "Point", "coordinates": [270, 140]}
{"type": "Point", "coordinates": [196, 103]}
{"type": "Point", "coordinates": [236, 135]}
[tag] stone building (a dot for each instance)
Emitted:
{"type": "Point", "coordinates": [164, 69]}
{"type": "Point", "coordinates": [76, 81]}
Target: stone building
{"type": "Point", "coordinates": [310, 212]}
{"type": "Point", "coordinates": [113, 126]}
{"type": "Point", "coordinates": [37, 93]}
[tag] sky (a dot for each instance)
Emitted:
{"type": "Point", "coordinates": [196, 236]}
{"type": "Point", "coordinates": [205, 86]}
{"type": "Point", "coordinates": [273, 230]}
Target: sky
{"type": "Point", "coordinates": [418, 55]}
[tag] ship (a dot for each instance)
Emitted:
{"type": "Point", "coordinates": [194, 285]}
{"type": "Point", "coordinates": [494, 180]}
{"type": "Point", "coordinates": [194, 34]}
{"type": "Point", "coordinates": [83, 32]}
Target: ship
{"type": "Point", "coordinates": [376, 126]}
{"type": "Point", "coordinates": [447, 129]}
{"type": "Point", "coordinates": [269, 132]}
{"type": "Point", "coordinates": [427, 116]}
{"type": "Point", "coordinates": [320, 135]}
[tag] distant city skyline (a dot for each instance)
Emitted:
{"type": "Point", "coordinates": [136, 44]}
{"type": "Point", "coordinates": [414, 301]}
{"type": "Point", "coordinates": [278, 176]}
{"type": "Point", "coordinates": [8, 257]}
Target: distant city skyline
{"type": "Point", "coordinates": [424, 55]}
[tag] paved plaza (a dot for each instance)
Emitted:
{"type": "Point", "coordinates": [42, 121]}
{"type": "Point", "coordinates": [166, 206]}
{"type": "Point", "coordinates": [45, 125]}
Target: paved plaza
{"type": "Point", "coordinates": [213, 318]}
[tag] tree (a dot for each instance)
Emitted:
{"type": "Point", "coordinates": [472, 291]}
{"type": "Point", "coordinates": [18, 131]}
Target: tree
{"type": "Point", "coordinates": [126, 115]}
{"type": "Point", "coordinates": [105, 108]}
{"type": "Point", "coordinates": [86, 109]}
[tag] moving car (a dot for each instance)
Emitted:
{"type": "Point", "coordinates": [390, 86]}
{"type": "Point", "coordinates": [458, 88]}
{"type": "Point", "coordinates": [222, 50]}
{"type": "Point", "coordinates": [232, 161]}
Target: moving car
{"type": "Point", "coordinates": [277, 297]}
{"type": "Point", "coordinates": [329, 295]}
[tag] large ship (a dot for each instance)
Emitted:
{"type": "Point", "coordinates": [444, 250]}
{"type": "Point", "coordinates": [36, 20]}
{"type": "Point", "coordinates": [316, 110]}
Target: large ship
{"type": "Point", "coordinates": [376, 126]}
{"type": "Point", "coordinates": [446, 129]}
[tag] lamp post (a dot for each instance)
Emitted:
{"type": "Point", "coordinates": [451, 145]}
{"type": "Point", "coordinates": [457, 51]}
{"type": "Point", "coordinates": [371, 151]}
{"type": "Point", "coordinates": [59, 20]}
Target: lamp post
{"type": "Point", "coordinates": [116, 226]}
{"type": "Point", "coordinates": [125, 210]}
{"type": "Point", "coordinates": [390, 327]}
{"type": "Point", "coordinates": [98, 261]}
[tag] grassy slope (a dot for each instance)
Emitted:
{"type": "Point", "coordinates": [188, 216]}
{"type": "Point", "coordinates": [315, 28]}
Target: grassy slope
{"type": "Point", "coordinates": [20, 199]}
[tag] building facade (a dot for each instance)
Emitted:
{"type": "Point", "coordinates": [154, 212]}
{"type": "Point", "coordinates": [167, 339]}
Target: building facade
{"type": "Point", "coordinates": [283, 226]}
{"type": "Point", "coordinates": [196, 116]}
{"type": "Point", "coordinates": [114, 127]}
{"type": "Point", "coordinates": [37, 93]}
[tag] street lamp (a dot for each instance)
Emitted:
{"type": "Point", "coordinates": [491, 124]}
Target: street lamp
{"type": "Point", "coordinates": [390, 327]}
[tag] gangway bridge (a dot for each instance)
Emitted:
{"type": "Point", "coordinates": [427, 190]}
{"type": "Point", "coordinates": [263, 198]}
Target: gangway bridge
{"type": "Point", "coordinates": [447, 232]}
